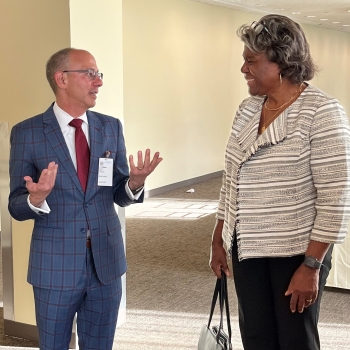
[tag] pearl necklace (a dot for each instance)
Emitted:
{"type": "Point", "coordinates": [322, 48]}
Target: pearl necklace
{"type": "Point", "coordinates": [284, 104]}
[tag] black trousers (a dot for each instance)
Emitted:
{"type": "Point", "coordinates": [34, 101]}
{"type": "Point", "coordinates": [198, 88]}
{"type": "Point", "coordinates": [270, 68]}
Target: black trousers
{"type": "Point", "coordinates": [265, 319]}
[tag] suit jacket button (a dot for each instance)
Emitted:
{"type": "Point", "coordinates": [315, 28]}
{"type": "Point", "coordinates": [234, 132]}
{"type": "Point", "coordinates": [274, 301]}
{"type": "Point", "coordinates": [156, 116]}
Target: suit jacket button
{"type": "Point", "coordinates": [82, 230]}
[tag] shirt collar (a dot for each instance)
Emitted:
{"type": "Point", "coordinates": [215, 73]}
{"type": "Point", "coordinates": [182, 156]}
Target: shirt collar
{"type": "Point", "coordinates": [64, 118]}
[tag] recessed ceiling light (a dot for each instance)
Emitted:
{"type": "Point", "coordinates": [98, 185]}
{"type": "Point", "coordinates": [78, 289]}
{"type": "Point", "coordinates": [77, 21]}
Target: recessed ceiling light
{"type": "Point", "coordinates": [296, 13]}
{"type": "Point", "coordinates": [311, 16]}
{"type": "Point", "coordinates": [335, 22]}
{"type": "Point", "coordinates": [346, 25]}
{"type": "Point", "coordinates": [323, 19]}
{"type": "Point", "coordinates": [260, 5]}
{"type": "Point", "coordinates": [279, 9]}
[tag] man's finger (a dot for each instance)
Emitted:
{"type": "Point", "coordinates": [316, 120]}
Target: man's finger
{"type": "Point", "coordinates": [139, 159]}
{"type": "Point", "coordinates": [147, 156]}
{"type": "Point", "coordinates": [131, 161]}
{"type": "Point", "coordinates": [28, 180]}
{"type": "Point", "coordinates": [155, 161]}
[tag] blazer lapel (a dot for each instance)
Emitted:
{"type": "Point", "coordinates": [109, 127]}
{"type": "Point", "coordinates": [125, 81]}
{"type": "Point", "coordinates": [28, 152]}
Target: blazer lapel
{"type": "Point", "coordinates": [275, 133]}
{"type": "Point", "coordinates": [97, 148]}
{"type": "Point", "coordinates": [55, 137]}
{"type": "Point", "coordinates": [246, 129]}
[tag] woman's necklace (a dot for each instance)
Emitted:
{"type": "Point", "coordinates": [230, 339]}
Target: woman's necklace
{"type": "Point", "coordinates": [265, 123]}
{"type": "Point", "coordinates": [263, 128]}
{"type": "Point", "coordinates": [284, 104]}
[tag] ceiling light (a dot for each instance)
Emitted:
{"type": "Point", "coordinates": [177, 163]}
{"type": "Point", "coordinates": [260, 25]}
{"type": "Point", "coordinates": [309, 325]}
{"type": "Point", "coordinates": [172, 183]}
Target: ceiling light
{"type": "Point", "coordinates": [310, 16]}
{"type": "Point", "coordinates": [296, 13]}
{"type": "Point", "coordinates": [323, 19]}
{"type": "Point", "coordinates": [335, 22]}
{"type": "Point", "coordinates": [346, 25]}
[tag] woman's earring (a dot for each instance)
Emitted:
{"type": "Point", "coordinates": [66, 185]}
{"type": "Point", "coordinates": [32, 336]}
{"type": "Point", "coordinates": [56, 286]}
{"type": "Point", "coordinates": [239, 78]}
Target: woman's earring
{"type": "Point", "coordinates": [280, 78]}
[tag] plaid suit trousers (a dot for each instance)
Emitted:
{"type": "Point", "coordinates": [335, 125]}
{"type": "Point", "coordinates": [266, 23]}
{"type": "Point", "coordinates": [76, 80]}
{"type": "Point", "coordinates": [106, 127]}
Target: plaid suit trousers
{"type": "Point", "coordinates": [95, 304]}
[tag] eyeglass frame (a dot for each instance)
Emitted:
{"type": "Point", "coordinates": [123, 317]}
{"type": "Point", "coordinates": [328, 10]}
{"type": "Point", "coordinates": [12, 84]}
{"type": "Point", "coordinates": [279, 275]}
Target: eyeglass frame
{"type": "Point", "coordinates": [258, 27]}
{"type": "Point", "coordinates": [91, 73]}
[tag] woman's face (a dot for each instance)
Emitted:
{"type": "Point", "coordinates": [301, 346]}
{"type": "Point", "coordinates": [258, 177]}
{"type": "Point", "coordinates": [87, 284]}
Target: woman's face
{"type": "Point", "coordinates": [262, 75]}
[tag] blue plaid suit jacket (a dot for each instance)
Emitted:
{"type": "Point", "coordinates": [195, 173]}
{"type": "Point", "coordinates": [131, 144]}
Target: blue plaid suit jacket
{"type": "Point", "coordinates": [58, 244]}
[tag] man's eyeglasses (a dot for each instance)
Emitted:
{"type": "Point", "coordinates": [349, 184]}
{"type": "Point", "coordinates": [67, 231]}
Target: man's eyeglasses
{"type": "Point", "coordinates": [91, 73]}
{"type": "Point", "coordinates": [259, 27]}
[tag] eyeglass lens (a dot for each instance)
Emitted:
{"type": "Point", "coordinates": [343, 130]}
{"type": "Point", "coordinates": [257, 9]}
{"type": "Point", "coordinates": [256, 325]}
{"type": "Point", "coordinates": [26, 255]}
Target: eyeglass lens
{"type": "Point", "coordinates": [93, 74]}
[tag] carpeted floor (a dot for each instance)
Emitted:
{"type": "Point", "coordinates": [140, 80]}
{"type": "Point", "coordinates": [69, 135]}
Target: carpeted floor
{"type": "Point", "coordinates": [170, 285]}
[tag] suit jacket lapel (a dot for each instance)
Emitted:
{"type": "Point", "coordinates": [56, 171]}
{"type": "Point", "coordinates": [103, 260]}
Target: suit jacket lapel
{"type": "Point", "coordinates": [55, 137]}
{"type": "Point", "coordinates": [97, 144]}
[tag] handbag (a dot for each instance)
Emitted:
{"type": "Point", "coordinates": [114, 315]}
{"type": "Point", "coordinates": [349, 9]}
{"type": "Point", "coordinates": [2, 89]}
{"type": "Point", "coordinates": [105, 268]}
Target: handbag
{"type": "Point", "coordinates": [214, 338]}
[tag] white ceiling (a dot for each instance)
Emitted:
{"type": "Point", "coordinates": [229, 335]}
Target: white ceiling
{"type": "Point", "coordinates": [331, 14]}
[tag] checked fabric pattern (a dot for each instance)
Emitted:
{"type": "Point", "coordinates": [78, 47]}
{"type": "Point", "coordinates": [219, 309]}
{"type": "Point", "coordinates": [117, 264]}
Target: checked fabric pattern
{"type": "Point", "coordinates": [58, 245]}
{"type": "Point", "coordinates": [82, 152]}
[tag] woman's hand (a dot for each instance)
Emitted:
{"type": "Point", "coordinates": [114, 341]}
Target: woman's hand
{"type": "Point", "coordinates": [218, 260]}
{"type": "Point", "coordinates": [304, 284]}
{"type": "Point", "coordinates": [303, 287]}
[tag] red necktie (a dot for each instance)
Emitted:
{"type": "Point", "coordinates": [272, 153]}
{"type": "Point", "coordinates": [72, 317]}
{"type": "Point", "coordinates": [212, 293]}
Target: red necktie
{"type": "Point", "coordinates": [82, 152]}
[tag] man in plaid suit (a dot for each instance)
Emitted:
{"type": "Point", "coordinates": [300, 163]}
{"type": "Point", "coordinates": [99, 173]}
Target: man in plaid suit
{"type": "Point", "coordinates": [77, 253]}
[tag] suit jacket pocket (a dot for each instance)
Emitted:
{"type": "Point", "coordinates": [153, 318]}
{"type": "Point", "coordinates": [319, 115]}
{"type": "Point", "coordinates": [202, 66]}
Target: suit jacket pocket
{"type": "Point", "coordinates": [45, 233]}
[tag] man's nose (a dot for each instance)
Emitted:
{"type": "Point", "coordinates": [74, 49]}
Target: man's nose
{"type": "Point", "coordinates": [97, 81]}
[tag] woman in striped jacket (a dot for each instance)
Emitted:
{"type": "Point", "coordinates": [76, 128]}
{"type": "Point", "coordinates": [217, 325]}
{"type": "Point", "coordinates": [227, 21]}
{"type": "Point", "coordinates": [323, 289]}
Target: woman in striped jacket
{"type": "Point", "coordinates": [285, 193]}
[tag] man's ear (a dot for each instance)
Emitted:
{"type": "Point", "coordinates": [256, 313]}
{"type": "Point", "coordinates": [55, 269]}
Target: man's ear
{"type": "Point", "coordinates": [60, 79]}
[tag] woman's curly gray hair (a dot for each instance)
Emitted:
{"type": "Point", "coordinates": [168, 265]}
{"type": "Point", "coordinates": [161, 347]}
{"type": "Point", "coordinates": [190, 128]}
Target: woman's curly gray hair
{"type": "Point", "coordinates": [284, 43]}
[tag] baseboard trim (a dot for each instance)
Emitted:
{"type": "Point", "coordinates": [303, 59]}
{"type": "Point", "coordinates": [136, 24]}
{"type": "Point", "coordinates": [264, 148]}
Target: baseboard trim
{"type": "Point", "coordinates": [28, 331]}
{"type": "Point", "coordinates": [176, 185]}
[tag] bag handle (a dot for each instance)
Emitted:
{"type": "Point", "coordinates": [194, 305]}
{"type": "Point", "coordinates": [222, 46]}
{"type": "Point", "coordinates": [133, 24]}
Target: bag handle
{"type": "Point", "coordinates": [213, 303]}
{"type": "Point", "coordinates": [224, 301]}
{"type": "Point", "coordinates": [221, 290]}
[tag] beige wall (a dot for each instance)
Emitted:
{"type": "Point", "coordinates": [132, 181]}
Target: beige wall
{"type": "Point", "coordinates": [30, 33]}
{"type": "Point", "coordinates": [181, 64]}
{"type": "Point", "coordinates": [182, 80]}
{"type": "Point", "coordinates": [98, 29]}
{"type": "Point", "coordinates": [331, 50]}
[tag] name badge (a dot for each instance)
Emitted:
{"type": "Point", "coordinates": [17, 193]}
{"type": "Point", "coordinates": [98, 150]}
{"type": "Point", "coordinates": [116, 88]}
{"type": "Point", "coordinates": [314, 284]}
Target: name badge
{"type": "Point", "coordinates": [105, 172]}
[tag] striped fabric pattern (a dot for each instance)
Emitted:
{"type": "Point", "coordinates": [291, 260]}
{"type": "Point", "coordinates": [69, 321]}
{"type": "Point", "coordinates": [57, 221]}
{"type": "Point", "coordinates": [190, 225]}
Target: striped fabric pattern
{"type": "Point", "coordinates": [290, 184]}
